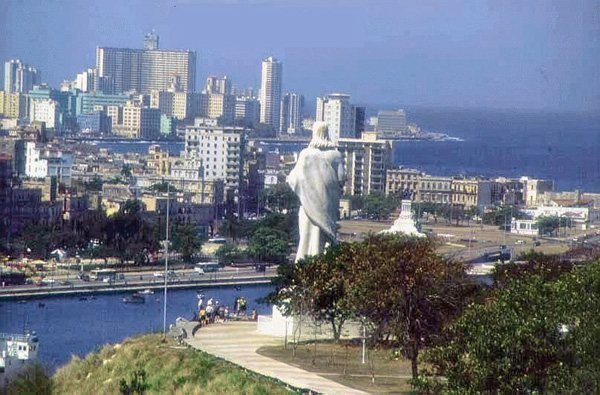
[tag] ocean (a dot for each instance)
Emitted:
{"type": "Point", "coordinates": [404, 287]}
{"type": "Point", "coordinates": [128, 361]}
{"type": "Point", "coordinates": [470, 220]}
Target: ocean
{"type": "Point", "coordinates": [561, 146]}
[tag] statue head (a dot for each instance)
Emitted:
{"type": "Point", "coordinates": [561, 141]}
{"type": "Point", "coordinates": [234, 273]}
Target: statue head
{"type": "Point", "coordinates": [320, 137]}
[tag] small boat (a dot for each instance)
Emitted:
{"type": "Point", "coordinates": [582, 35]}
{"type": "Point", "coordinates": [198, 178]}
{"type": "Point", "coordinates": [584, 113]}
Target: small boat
{"type": "Point", "coordinates": [40, 304]}
{"type": "Point", "coordinates": [83, 298]}
{"type": "Point", "coordinates": [22, 301]}
{"type": "Point", "coordinates": [146, 292]}
{"type": "Point", "coordinates": [135, 298]}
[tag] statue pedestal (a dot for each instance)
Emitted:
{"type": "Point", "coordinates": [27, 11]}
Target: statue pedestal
{"type": "Point", "coordinates": [405, 223]}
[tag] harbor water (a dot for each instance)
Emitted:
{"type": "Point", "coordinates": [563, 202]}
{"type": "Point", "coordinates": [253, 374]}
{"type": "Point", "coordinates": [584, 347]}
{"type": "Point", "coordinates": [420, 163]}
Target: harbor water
{"type": "Point", "coordinates": [71, 325]}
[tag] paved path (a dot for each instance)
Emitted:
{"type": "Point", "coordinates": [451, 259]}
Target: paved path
{"type": "Point", "coordinates": [237, 342]}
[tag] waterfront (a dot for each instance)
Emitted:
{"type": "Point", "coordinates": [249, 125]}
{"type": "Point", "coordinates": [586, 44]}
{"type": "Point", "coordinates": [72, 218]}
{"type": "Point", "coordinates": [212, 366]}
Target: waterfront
{"type": "Point", "coordinates": [70, 326]}
{"type": "Point", "coordinates": [564, 147]}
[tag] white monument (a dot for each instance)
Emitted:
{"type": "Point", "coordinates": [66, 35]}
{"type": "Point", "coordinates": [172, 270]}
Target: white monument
{"type": "Point", "coordinates": [317, 179]}
{"type": "Point", "coordinates": [405, 223]}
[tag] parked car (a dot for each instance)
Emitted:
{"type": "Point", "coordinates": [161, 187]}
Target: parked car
{"type": "Point", "coordinates": [159, 274]}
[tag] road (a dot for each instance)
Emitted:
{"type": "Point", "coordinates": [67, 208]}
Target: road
{"type": "Point", "coordinates": [68, 282]}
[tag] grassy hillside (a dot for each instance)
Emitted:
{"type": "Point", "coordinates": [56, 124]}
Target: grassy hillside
{"type": "Point", "coordinates": [145, 363]}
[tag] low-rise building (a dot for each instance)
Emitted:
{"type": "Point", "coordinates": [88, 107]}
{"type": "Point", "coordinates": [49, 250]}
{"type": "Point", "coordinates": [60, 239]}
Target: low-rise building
{"type": "Point", "coordinates": [469, 192]}
{"type": "Point", "coordinates": [434, 189]}
{"type": "Point", "coordinates": [43, 161]}
{"type": "Point", "coordinates": [401, 181]}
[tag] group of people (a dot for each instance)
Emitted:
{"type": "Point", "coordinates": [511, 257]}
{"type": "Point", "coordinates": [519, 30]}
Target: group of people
{"type": "Point", "coordinates": [214, 312]}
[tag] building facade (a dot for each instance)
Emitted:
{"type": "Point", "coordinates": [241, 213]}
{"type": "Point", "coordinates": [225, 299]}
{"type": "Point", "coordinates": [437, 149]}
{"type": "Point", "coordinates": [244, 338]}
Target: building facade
{"type": "Point", "coordinates": [292, 106]}
{"type": "Point", "coordinates": [43, 161]}
{"type": "Point", "coordinates": [366, 161]}
{"type": "Point", "coordinates": [144, 70]}
{"type": "Point", "coordinates": [403, 181]}
{"type": "Point", "coordinates": [469, 192]}
{"type": "Point", "coordinates": [19, 77]}
{"type": "Point", "coordinates": [434, 189]}
{"type": "Point", "coordinates": [391, 124]}
{"type": "Point", "coordinates": [218, 154]}
{"type": "Point", "coordinates": [270, 92]}
{"type": "Point", "coordinates": [338, 113]}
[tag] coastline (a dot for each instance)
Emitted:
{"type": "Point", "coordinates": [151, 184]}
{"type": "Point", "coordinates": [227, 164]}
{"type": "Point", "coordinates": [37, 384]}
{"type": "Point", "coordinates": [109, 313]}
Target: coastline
{"type": "Point", "coordinates": [100, 288]}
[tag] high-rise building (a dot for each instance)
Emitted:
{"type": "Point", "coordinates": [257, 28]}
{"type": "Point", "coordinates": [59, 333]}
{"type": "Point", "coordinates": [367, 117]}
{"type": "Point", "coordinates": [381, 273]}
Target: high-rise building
{"type": "Point", "coordinates": [366, 160]}
{"type": "Point", "coordinates": [270, 92]}
{"type": "Point", "coordinates": [19, 77]}
{"type": "Point", "coordinates": [359, 121]}
{"type": "Point", "coordinates": [338, 113]}
{"type": "Point", "coordinates": [247, 109]}
{"type": "Point", "coordinates": [292, 105]}
{"type": "Point", "coordinates": [151, 40]}
{"type": "Point", "coordinates": [144, 70]}
{"type": "Point", "coordinates": [391, 123]}
{"type": "Point", "coordinates": [218, 85]}
{"type": "Point", "coordinates": [86, 80]}
{"type": "Point", "coordinates": [218, 153]}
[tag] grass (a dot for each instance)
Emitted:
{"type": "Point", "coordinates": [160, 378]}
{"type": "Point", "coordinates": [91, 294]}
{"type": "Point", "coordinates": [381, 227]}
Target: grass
{"type": "Point", "coordinates": [342, 362]}
{"type": "Point", "coordinates": [167, 369]}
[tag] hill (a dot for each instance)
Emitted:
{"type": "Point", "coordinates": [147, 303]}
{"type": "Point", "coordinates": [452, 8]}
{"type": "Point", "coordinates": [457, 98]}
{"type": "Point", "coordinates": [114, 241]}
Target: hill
{"type": "Point", "coordinates": [146, 363]}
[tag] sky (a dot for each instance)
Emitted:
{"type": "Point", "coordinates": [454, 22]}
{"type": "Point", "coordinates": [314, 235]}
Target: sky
{"type": "Point", "coordinates": [531, 54]}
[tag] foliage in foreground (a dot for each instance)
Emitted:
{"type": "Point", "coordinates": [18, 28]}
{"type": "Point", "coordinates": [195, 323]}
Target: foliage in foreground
{"type": "Point", "coordinates": [535, 335]}
{"type": "Point", "coordinates": [397, 285]}
{"type": "Point", "coordinates": [145, 363]}
{"type": "Point", "coordinates": [32, 380]}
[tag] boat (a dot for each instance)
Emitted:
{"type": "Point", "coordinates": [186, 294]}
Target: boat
{"type": "Point", "coordinates": [16, 350]}
{"type": "Point", "coordinates": [135, 298]}
{"type": "Point", "coordinates": [146, 292]}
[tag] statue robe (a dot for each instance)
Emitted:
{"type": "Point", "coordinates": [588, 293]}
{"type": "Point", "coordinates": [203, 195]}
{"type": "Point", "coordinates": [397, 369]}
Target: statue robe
{"type": "Point", "coordinates": [316, 181]}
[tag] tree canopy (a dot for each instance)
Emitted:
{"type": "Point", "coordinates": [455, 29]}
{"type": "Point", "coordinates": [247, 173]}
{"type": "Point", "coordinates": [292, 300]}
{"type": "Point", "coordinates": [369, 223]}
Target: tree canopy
{"type": "Point", "coordinates": [535, 335]}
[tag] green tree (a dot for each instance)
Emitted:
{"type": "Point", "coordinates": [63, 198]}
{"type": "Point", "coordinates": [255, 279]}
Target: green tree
{"type": "Point", "coordinates": [548, 224]}
{"type": "Point", "coordinates": [502, 215]}
{"type": "Point", "coordinates": [186, 241]}
{"type": "Point", "coordinates": [32, 380]}
{"type": "Point", "coordinates": [534, 336]}
{"type": "Point", "coordinates": [404, 288]}
{"type": "Point", "coordinates": [126, 170]}
{"type": "Point", "coordinates": [131, 207]}
{"type": "Point", "coordinates": [163, 187]}
{"type": "Point", "coordinates": [269, 245]}
{"type": "Point", "coordinates": [228, 253]}
{"type": "Point", "coordinates": [318, 287]}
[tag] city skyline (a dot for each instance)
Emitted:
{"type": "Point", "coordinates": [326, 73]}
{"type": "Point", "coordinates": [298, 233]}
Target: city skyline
{"type": "Point", "coordinates": [539, 55]}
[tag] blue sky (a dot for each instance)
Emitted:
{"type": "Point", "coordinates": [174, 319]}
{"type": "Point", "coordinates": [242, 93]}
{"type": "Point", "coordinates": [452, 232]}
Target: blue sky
{"type": "Point", "coordinates": [496, 53]}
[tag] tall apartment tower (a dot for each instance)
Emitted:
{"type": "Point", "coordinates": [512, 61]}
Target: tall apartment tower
{"type": "Point", "coordinates": [270, 92]}
{"type": "Point", "coordinates": [291, 113]}
{"type": "Point", "coordinates": [338, 113]}
{"type": "Point", "coordinates": [151, 40]}
{"type": "Point", "coordinates": [215, 85]}
{"type": "Point", "coordinates": [144, 70]}
{"type": "Point", "coordinates": [19, 77]}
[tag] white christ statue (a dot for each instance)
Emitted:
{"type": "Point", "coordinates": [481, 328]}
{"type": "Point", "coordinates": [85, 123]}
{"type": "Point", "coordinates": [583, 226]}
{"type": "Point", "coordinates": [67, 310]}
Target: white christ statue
{"type": "Point", "coordinates": [317, 179]}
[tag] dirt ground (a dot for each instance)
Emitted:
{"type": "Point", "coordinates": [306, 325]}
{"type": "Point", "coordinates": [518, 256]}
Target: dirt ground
{"type": "Point", "coordinates": [469, 240]}
{"type": "Point", "coordinates": [388, 373]}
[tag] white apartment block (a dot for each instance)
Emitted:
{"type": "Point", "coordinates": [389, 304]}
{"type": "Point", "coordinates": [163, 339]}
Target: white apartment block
{"type": "Point", "coordinates": [292, 105]}
{"type": "Point", "coordinates": [215, 153]}
{"type": "Point", "coordinates": [270, 92]}
{"type": "Point", "coordinates": [366, 160]}
{"type": "Point", "coordinates": [85, 80]}
{"type": "Point", "coordinates": [47, 111]}
{"type": "Point", "coordinates": [338, 113]}
{"type": "Point", "coordinates": [43, 161]}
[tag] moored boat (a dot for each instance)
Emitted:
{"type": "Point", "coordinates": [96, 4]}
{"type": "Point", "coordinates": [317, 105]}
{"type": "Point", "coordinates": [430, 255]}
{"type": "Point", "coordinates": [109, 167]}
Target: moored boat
{"type": "Point", "coordinates": [135, 298]}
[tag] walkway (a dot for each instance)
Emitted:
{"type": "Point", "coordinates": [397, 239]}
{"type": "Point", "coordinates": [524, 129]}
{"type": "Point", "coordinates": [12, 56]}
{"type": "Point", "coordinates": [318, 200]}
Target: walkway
{"type": "Point", "coordinates": [237, 342]}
